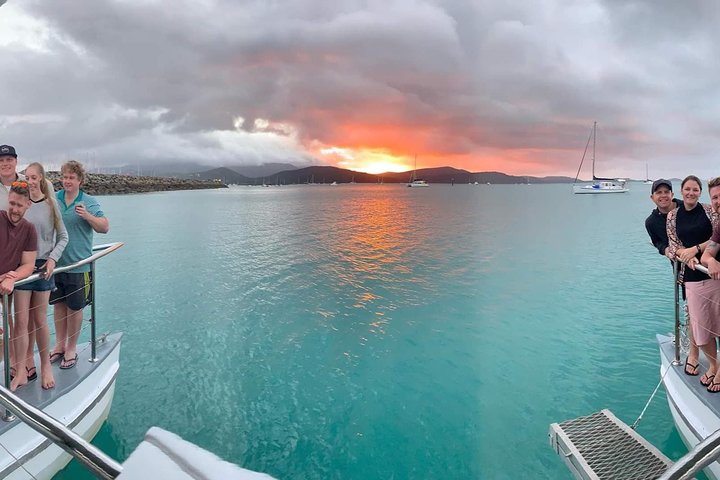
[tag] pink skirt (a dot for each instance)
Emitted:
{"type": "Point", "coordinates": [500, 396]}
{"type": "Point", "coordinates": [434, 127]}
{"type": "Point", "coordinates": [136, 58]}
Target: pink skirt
{"type": "Point", "coordinates": [703, 301]}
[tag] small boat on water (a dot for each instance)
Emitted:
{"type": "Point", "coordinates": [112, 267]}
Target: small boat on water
{"type": "Point", "coordinates": [647, 176]}
{"type": "Point", "coordinates": [599, 185]}
{"type": "Point", "coordinates": [602, 446]}
{"type": "Point", "coordinates": [416, 182]}
{"type": "Point", "coordinates": [42, 430]}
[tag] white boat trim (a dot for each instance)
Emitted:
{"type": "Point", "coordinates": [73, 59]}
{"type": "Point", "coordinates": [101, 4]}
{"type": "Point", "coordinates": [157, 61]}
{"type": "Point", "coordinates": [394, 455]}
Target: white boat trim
{"type": "Point", "coordinates": [695, 411]}
{"type": "Point", "coordinates": [81, 400]}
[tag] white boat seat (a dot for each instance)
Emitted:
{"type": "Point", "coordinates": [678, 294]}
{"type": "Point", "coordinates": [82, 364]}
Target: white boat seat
{"type": "Point", "coordinates": [163, 456]}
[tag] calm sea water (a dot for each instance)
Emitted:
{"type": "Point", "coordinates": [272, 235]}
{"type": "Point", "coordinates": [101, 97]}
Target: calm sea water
{"type": "Point", "coordinates": [364, 331]}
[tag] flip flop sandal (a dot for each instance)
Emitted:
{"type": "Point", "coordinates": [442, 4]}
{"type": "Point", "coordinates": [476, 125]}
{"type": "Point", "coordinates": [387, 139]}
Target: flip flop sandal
{"type": "Point", "coordinates": [713, 384]}
{"type": "Point", "coordinates": [709, 380]}
{"type": "Point", "coordinates": [56, 356]}
{"type": "Point", "coordinates": [31, 376]}
{"type": "Point", "coordinates": [67, 364]}
{"type": "Point", "coordinates": [693, 367]}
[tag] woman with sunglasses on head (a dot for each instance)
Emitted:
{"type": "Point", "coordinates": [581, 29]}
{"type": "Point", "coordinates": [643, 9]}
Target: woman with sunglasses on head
{"type": "Point", "coordinates": [31, 300]}
{"type": "Point", "coordinates": [689, 229]}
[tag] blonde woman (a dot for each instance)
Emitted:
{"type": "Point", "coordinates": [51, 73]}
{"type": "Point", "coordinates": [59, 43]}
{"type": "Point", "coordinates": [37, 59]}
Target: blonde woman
{"type": "Point", "coordinates": [31, 300]}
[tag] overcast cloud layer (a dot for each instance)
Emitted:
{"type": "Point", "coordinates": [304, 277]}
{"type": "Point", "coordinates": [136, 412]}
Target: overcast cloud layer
{"type": "Point", "coordinates": [475, 84]}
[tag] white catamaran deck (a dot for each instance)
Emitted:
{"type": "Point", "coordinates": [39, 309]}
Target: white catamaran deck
{"type": "Point", "coordinates": [67, 380]}
{"type": "Point", "coordinates": [696, 411]}
{"type": "Point", "coordinates": [81, 401]}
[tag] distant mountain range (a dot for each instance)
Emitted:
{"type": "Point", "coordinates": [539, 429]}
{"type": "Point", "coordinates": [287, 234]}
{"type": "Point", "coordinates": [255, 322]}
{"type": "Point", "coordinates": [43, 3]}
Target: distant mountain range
{"type": "Point", "coordinates": [327, 174]}
{"type": "Point", "coordinates": [193, 170]}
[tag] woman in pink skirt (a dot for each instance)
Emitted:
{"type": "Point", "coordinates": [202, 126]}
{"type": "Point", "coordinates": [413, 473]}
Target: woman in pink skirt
{"type": "Point", "coordinates": [689, 230]}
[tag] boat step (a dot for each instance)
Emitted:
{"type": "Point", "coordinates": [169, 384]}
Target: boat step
{"type": "Point", "coordinates": [601, 446]}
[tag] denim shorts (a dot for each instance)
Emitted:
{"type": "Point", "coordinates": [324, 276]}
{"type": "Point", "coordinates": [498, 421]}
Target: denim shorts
{"type": "Point", "coordinates": [41, 284]}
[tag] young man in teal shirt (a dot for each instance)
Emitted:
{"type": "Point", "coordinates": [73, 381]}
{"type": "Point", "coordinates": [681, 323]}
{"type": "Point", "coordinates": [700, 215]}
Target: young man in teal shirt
{"type": "Point", "coordinates": [82, 216]}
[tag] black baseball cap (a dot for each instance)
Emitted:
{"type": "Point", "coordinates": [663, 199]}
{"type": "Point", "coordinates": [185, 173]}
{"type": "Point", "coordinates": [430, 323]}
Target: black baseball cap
{"type": "Point", "coordinates": [661, 181]}
{"type": "Point", "coordinates": [7, 151]}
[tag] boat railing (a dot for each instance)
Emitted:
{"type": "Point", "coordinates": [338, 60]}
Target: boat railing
{"type": "Point", "coordinates": [602, 446]}
{"type": "Point", "coordinates": [101, 251]}
{"type": "Point", "coordinates": [708, 450]}
{"type": "Point", "coordinates": [677, 287]}
{"type": "Point", "coordinates": [102, 465]}
{"type": "Point", "coordinates": [95, 460]}
{"type": "Point", "coordinates": [702, 455]}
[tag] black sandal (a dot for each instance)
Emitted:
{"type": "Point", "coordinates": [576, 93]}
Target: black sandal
{"type": "Point", "coordinates": [694, 368]}
{"type": "Point", "coordinates": [56, 356]}
{"type": "Point", "coordinates": [32, 376]}
{"type": "Point", "coordinates": [68, 363]}
{"type": "Point", "coordinates": [713, 384]}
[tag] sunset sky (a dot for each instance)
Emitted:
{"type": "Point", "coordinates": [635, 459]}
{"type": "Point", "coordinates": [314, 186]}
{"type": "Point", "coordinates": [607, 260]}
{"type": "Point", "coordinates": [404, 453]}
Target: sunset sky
{"type": "Point", "coordinates": [368, 85]}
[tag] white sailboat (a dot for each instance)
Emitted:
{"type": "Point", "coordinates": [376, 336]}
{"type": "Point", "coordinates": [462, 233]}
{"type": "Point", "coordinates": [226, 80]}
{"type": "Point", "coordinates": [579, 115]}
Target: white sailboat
{"type": "Point", "coordinates": [599, 185]}
{"type": "Point", "coordinates": [416, 182]}
{"type": "Point", "coordinates": [647, 176]}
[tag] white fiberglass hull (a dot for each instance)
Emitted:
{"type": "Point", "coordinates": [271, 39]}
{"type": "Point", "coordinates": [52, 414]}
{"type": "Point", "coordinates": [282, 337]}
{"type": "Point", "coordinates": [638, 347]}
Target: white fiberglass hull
{"type": "Point", "coordinates": [589, 189]}
{"type": "Point", "coordinates": [83, 408]}
{"type": "Point", "coordinates": [694, 410]}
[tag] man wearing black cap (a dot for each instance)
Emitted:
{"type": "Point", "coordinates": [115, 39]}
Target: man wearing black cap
{"type": "Point", "coordinates": [8, 175]}
{"type": "Point", "coordinates": [662, 196]}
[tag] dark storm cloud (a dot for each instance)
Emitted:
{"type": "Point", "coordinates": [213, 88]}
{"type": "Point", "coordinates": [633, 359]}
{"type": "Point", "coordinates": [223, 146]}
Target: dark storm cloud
{"type": "Point", "coordinates": [466, 79]}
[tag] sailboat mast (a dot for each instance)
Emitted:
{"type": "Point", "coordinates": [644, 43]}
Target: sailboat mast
{"type": "Point", "coordinates": [593, 154]}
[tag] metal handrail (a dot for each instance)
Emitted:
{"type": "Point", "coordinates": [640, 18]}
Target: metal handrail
{"type": "Point", "coordinates": [677, 286]}
{"type": "Point", "coordinates": [708, 450]}
{"type": "Point", "coordinates": [105, 249]}
{"type": "Point", "coordinates": [99, 463]}
{"type": "Point", "coordinates": [102, 251]}
{"type": "Point", "coordinates": [702, 455]}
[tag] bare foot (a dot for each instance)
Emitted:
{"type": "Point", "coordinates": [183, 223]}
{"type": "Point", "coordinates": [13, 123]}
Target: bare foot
{"type": "Point", "coordinates": [48, 381]}
{"type": "Point", "coordinates": [18, 381]}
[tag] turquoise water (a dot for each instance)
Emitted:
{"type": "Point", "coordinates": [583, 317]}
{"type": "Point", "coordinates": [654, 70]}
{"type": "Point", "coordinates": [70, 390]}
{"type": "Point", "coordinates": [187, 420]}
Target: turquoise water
{"type": "Point", "coordinates": [368, 331]}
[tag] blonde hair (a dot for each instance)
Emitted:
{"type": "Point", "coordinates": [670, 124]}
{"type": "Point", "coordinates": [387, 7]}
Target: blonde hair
{"type": "Point", "coordinates": [49, 196]}
{"type": "Point", "coordinates": [73, 166]}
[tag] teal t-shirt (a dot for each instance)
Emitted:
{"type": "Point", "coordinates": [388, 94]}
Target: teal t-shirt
{"type": "Point", "coordinates": [80, 232]}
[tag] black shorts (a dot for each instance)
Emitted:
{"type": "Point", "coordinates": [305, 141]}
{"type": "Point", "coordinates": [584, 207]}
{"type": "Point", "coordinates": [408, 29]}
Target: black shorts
{"type": "Point", "coordinates": [73, 289]}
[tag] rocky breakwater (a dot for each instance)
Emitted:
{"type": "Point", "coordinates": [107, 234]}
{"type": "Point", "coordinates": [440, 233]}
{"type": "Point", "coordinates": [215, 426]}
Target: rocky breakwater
{"type": "Point", "coordinates": [106, 184]}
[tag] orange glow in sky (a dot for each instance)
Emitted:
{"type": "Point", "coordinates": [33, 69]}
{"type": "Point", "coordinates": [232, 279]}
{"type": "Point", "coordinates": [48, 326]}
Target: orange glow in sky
{"type": "Point", "coordinates": [368, 161]}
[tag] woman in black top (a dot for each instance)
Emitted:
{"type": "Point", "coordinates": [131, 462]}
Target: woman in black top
{"type": "Point", "coordinates": [689, 230]}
